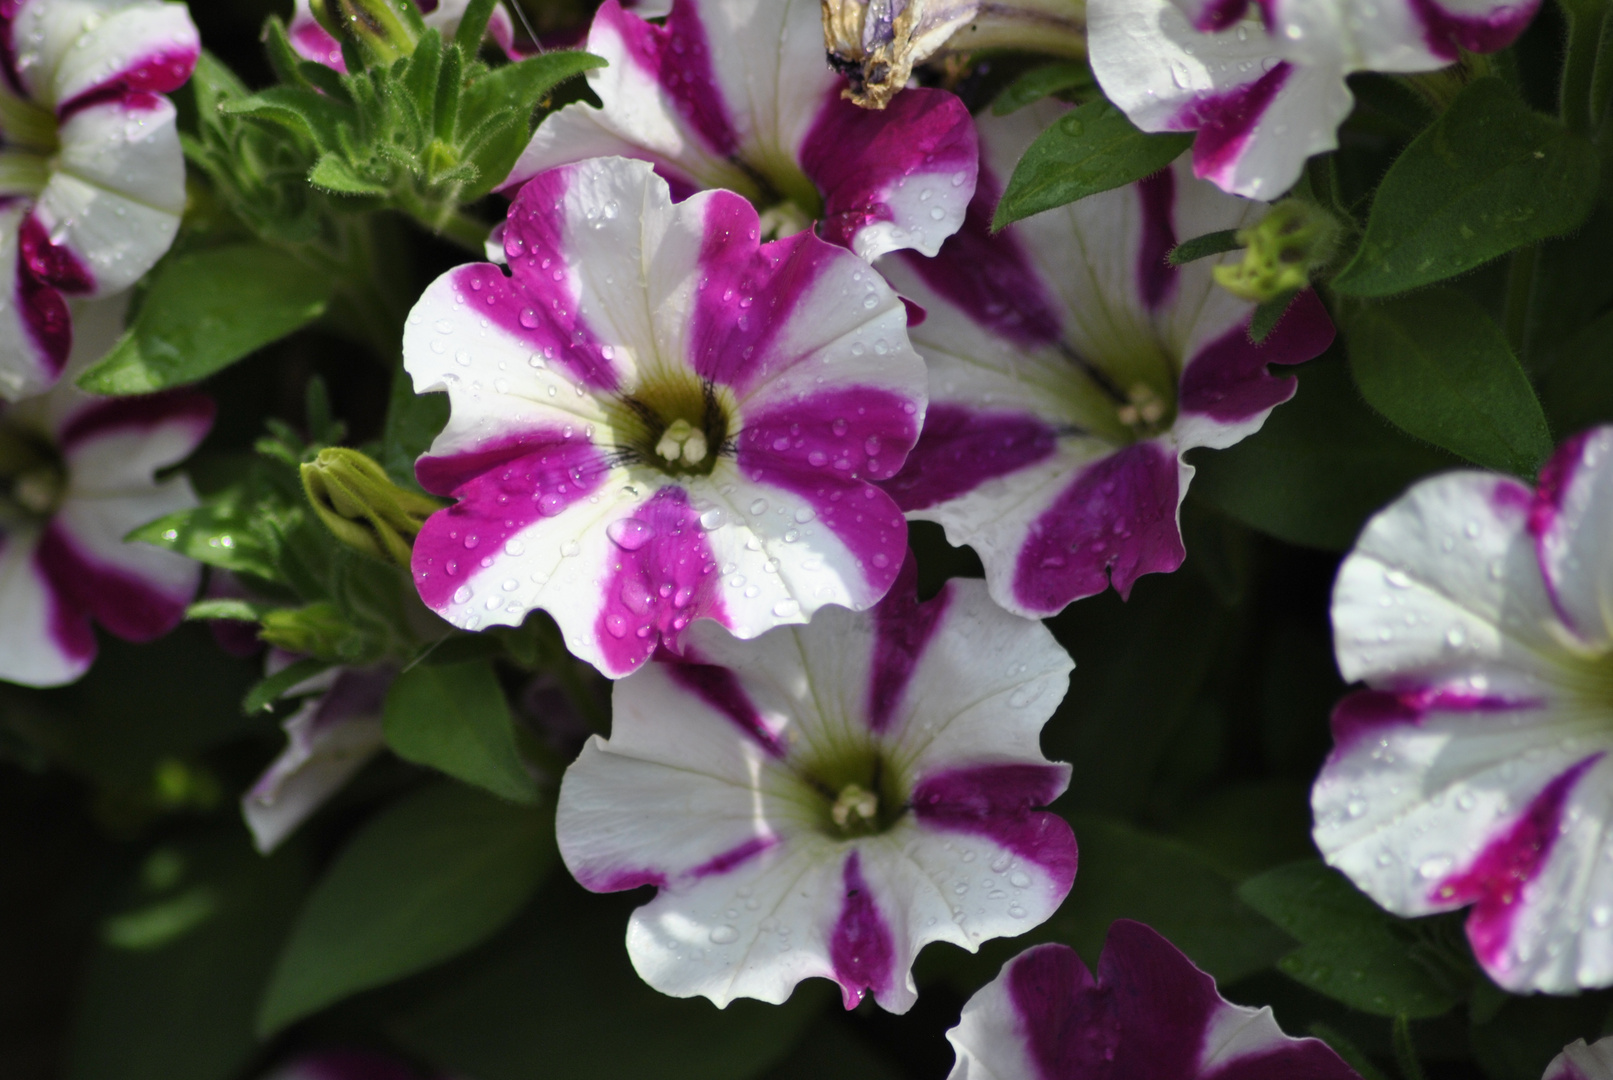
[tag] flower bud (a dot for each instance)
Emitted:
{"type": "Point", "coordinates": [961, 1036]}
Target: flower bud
{"type": "Point", "coordinates": [317, 630]}
{"type": "Point", "coordinates": [361, 505]}
{"type": "Point", "coordinates": [1293, 240]}
{"type": "Point", "coordinates": [380, 29]}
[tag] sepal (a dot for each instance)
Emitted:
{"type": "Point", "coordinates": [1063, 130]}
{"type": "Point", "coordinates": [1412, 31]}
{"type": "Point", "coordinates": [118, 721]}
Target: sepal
{"type": "Point", "coordinates": [362, 507]}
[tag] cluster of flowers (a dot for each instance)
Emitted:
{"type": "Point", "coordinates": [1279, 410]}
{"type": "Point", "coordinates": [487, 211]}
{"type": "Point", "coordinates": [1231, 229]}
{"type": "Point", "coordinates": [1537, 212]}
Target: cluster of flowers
{"type": "Point", "coordinates": [738, 331]}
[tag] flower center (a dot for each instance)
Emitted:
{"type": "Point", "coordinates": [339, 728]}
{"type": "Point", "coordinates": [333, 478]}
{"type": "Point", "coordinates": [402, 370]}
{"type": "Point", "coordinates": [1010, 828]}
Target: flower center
{"type": "Point", "coordinates": [852, 791]}
{"type": "Point", "coordinates": [673, 422]}
{"type": "Point", "coordinates": [29, 141]}
{"type": "Point", "coordinates": [1124, 402]}
{"type": "Point", "coordinates": [33, 478]}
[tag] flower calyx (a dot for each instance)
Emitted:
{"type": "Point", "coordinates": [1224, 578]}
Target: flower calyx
{"type": "Point", "coordinates": [361, 505]}
{"type": "Point", "coordinates": [1281, 252]}
{"type": "Point", "coordinates": [383, 31]}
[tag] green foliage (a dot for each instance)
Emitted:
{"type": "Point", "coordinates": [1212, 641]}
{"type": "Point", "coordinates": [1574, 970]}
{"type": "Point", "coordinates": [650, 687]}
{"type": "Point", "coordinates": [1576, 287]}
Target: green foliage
{"type": "Point", "coordinates": [556, 996]}
{"type": "Point", "coordinates": [1202, 247]}
{"type": "Point", "coordinates": [1321, 465]}
{"type": "Point", "coordinates": [1489, 176]}
{"type": "Point", "coordinates": [412, 422]}
{"type": "Point", "coordinates": [1042, 82]}
{"type": "Point", "coordinates": [429, 877]}
{"type": "Point", "coordinates": [207, 309]}
{"type": "Point", "coordinates": [453, 717]}
{"type": "Point", "coordinates": [1350, 949]}
{"type": "Point", "coordinates": [1090, 149]}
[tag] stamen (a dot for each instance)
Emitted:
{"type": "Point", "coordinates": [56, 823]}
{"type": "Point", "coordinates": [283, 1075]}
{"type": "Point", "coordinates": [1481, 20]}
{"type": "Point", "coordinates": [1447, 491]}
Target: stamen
{"type": "Point", "coordinates": [682, 441]}
{"type": "Point", "coordinates": [855, 808]}
{"type": "Point", "coordinates": [37, 490]}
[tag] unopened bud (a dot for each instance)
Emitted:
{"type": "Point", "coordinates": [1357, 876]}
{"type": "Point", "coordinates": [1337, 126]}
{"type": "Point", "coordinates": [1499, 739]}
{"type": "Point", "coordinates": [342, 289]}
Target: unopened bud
{"type": "Point", "coordinates": [381, 30]}
{"type": "Point", "coordinates": [317, 630]}
{"type": "Point", "coordinates": [361, 505]}
{"type": "Point", "coordinates": [1293, 240]}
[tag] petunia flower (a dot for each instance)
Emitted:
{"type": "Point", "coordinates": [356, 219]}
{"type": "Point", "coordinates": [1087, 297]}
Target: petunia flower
{"type": "Point", "coordinates": [77, 474]}
{"type": "Point", "coordinates": [1581, 1062]}
{"type": "Point", "coordinates": [738, 96]}
{"type": "Point", "coordinates": [92, 179]}
{"type": "Point", "coordinates": [1263, 83]}
{"type": "Point", "coordinates": [658, 419]}
{"type": "Point", "coordinates": [313, 42]}
{"type": "Point", "coordinates": [1149, 1015]}
{"type": "Point", "coordinates": [328, 739]}
{"type": "Point", "coordinates": [1475, 771]}
{"type": "Point", "coordinates": [826, 800]}
{"type": "Point", "coordinates": [1071, 368]}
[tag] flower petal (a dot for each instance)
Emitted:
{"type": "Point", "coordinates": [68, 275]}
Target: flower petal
{"type": "Point", "coordinates": [45, 639]}
{"type": "Point", "coordinates": [113, 445]}
{"type": "Point", "coordinates": [312, 41]}
{"type": "Point", "coordinates": [67, 51]}
{"type": "Point", "coordinates": [1581, 1062]}
{"type": "Point", "coordinates": [1572, 524]}
{"type": "Point", "coordinates": [36, 328]}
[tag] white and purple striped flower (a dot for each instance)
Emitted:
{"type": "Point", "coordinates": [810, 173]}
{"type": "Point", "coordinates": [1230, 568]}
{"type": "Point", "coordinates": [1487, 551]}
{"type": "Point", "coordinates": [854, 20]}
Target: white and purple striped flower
{"type": "Point", "coordinates": [92, 179]}
{"type": "Point", "coordinates": [1149, 1015]}
{"type": "Point", "coordinates": [1071, 368]}
{"type": "Point", "coordinates": [77, 474]}
{"type": "Point", "coordinates": [739, 96]}
{"type": "Point", "coordinates": [1476, 770]}
{"type": "Point", "coordinates": [658, 419]}
{"type": "Point", "coordinates": [826, 800]}
{"type": "Point", "coordinates": [1581, 1062]}
{"type": "Point", "coordinates": [328, 739]}
{"type": "Point", "coordinates": [314, 42]}
{"type": "Point", "coordinates": [1262, 82]}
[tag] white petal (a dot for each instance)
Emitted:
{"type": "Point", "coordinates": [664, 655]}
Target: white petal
{"type": "Point", "coordinates": [40, 643]}
{"type": "Point", "coordinates": [66, 48]}
{"type": "Point", "coordinates": [1581, 1062]}
{"type": "Point", "coordinates": [1574, 525]}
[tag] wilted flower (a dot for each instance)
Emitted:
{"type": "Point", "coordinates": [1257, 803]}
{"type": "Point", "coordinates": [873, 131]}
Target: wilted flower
{"type": "Point", "coordinates": [328, 739]}
{"type": "Point", "coordinates": [826, 800]}
{"type": "Point", "coordinates": [314, 42]}
{"type": "Point", "coordinates": [1581, 1062]}
{"type": "Point", "coordinates": [1071, 368]}
{"type": "Point", "coordinates": [1476, 770]}
{"type": "Point", "coordinates": [94, 179]}
{"type": "Point", "coordinates": [658, 419]}
{"type": "Point", "coordinates": [77, 474]}
{"type": "Point", "coordinates": [1149, 1015]}
{"type": "Point", "coordinates": [1263, 83]}
{"type": "Point", "coordinates": [737, 96]}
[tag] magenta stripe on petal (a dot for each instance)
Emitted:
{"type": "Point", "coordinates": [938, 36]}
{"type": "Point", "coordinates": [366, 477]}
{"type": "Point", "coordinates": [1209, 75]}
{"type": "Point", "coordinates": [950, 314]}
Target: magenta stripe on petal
{"type": "Point", "coordinates": [861, 947]}
{"type": "Point", "coordinates": [312, 41]}
{"type": "Point", "coordinates": [502, 487]}
{"type": "Point", "coordinates": [735, 857]}
{"type": "Point", "coordinates": [990, 278]}
{"type": "Point", "coordinates": [138, 85]}
{"type": "Point", "coordinates": [1114, 523]}
{"type": "Point", "coordinates": [1227, 379]}
{"type": "Point", "coordinates": [664, 577]}
{"type": "Point", "coordinates": [1495, 881]}
{"type": "Point", "coordinates": [859, 157]}
{"type": "Point", "coordinates": [1447, 33]}
{"type": "Point", "coordinates": [825, 449]}
{"type": "Point", "coordinates": [1218, 15]}
{"type": "Point", "coordinates": [45, 320]}
{"type": "Point", "coordinates": [1545, 512]}
{"type": "Point", "coordinates": [128, 415]}
{"type": "Point", "coordinates": [618, 880]}
{"type": "Point", "coordinates": [748, 294]}
{"type": "Point", "coordinates": [720, 688]}
{"type": "Point", "coordinates": [678, 56]}
{"type": "Point", "coordinates": [123, 603]}
{"type": "Point", "coordinates": [903, 628]}
{"type": "Point", "coordinates": [1069, 1024]}
{"type": "Point", "coordinates": [1367, 714]}
{"type": "Point", "coordinates": [1156, 277]}
{"type": "Point", "coordinates": [51, 263]}
{"type": "Point", "coordinates": [1225, 121]}
{"type": "Point", "coordinates": [67, 623]}
{"type": "Point", "coordinates": [960, 449]}
{"type": "Point", "coordinates": [998, 802]}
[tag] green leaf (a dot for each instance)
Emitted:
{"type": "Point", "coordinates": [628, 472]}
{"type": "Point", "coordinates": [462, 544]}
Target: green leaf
{"type": "Point", "coordinates": [333, 173]}
{"type": "Point", "coordinates": [453, 717]}
{"type": "Point", "coordinates": [180, 1006]}
{"type": "Point", "coordinates": [266, 692]}
{"type": "Point", "coordinates": [1090, 149]}
{"type": "Point", "coordinates": [412, 422]}
{"type": "Point", "coordinates": [1202, 247]}
{"type": "Point", "coordinates": [1439, 368]}
{"type": "Point", "coordinates": [1319, 466]}
{"type": "Point", "coordinates": [1350, 949]}
{"type": "Point", "coordinates": [473, 26]}
{"type": "Point", "coordinates": [1039, 83]}
{"type": "Point", "coordinates": [1268, 315]}
{"type": "Point", "coordinates": [555, 996]}
{"type": "Point", "coordinates": [301, 110]}
{"type": "Point", "coordinates": [206, 310]}
{"type": "Point", "coordinates": [426, 879]}
{"type": "Point", "coordinates": [499, 106]}
{"type": "Point", "coordinates": [235, 610]}
{"type": "Point", "coordinates": [1489, 176]}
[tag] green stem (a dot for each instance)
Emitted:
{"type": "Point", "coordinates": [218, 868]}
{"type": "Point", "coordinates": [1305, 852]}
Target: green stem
{"type": "Point", "coordinates": [1406, 1053]}
{"type": "Point", "coordinates": [1520, 297]}
{"type": "Point", "coordinates": [448, 222]}
{"type": "Point", "coordinates": [1585, 18]}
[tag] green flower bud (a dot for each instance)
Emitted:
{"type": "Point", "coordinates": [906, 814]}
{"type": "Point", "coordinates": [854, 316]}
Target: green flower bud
{"type": "Point", "coordinates": [317, 630]}
{"type": "Point", "coordinates": [379, 29]}
{"type": "Point", "coordinates": [1292, 241]}
{"type": "Point", "coordinates": [360, 504]}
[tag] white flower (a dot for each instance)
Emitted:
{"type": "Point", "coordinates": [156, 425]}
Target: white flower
{"type": "Point", "coordinates": [1071, 368]}
{"type": "Point", "coordinates": [1581, 1062]}
{"type": "Point", "coordinates": [826, 800]}
{"type": "Point", "coordinates": [657, 419]}
{"type": "Point", "coordinates": [1263, 83]}
{"type": "Point", "coordinates": [1476, 770]}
